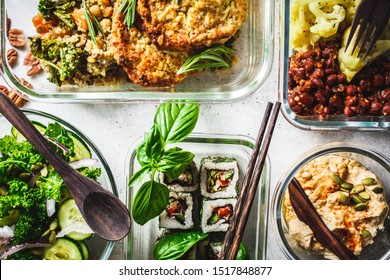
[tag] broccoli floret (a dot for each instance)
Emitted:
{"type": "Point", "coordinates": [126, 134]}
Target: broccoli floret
{"type": "Point", "coordinates": [62, 58]}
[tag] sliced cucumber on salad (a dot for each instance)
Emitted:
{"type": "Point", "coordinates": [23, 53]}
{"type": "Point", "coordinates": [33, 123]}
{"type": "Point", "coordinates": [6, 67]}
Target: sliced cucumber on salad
{"type": "Point", "coordinates": [72, 222]}
{"type": "Point", "coordinates": [63, 249]}
{"type": "Point", "coordinates": [84, 249]}
{"type": "Point", "coordinates": [81, 149]}
{"type": "Point", "coordinates": [19, 137]}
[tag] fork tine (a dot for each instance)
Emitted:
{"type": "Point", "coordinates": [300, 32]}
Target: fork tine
{"type": "Point", "coordinates": [383, 20]}
{"type": "Point", "coordinates": [359, 16]}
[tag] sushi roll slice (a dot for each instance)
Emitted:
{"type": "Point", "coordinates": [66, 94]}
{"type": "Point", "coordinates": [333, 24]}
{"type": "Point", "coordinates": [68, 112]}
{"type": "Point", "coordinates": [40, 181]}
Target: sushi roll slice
{"type": "Point", "coordinates": [216, 214]}
{"type": "Point", "coordinates": [186, 182]}
{"type": "Point", "coordinates": [219, 177]}
{"type": "Point", "coordinates": [178, 213]}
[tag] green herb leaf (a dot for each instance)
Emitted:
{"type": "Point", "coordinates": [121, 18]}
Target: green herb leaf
{"type": "Point", "coordinates": [139, 175]}
{"type": "Point", "coordinates": [56, 132]}
{"type": "Point", "coordinates": [212, 58]}
{"type": "Point", "coordinates": [153, 143]}
{"type": "Point", "coordinates": [142, 157]}
{"type": "Point", "coordinates": [149, 201]}
{"type": "Point", "coordinates": [176, 121]}
{"type": "Point", "coordinates": [173, 246]}
{"type": "Point", "coordinates": [92, 23]}
{"type": "Point", "coordinates": [128, 9]}
{"type": "Point", "coordinates": [174, 161]}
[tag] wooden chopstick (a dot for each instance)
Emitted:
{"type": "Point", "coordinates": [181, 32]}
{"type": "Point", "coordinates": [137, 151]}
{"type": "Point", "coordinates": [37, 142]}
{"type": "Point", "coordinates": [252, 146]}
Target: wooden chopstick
{"type": "Point", "coordinates": [248, 189]}
{"type": "Point", "coordinates": [309, 215]}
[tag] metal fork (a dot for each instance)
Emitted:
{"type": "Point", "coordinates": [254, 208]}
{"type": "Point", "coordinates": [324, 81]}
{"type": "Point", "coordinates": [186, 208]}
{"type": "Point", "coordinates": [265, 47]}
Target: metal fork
{"type": "Point", "coordinates": [371, 18]}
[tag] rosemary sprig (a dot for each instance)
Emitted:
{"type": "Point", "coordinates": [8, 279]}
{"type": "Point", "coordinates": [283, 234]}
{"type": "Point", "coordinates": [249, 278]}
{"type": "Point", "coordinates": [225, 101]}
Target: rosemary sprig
{"type": "Point", "coordinates": [213, 57]}
{"type": "Point", "coordinates": [128, 9]}
{"type": "Point", "coordinates": [92, 22]}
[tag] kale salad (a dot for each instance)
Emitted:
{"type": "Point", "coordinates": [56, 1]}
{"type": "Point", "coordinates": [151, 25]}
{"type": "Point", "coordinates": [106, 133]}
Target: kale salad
{"type": "Point", "coordinates": [38, 217]}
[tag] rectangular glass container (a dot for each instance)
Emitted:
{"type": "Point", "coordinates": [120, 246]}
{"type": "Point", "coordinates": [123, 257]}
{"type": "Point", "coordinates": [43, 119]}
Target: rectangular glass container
{"type": "Point", "coordinates": [333, 122]}
{"type": "Point", "coordinates": [140, 242]}
{"type": "Point", "coordinates": [254, 58]}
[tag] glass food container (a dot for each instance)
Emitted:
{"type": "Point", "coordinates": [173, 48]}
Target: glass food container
{"type": "Point", "coordinates": [330, 122]}
{"type": "Point", "coordinates": [141, 239]}
{"type": "Point", "coordinates": [254, 58]}
{"type": "Point", "coordinates": [98, 247]}
{"type": "Point", "coordinates": [373, 160]}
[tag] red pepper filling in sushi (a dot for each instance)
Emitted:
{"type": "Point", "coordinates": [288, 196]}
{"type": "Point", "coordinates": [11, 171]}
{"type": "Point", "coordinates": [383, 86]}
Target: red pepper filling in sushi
{"type": "Point", "coordinates": [218, 180]}
{"type": "Point", "coordinates": [221, 213]}
{"type": "Point", "coordinates": [176, 209]}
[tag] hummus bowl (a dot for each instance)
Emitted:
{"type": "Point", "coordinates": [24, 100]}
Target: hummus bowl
{"type": "Point", "coordinates": [364, 228]}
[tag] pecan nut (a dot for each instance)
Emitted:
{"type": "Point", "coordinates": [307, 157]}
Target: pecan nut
{"type": "Point", "coordinates": [33, 63]}
{"type": "Point", "coordinates": [14, 96]}
{"type": "Point", "coordinates": [4, 89]}
{"type": "Point", "coordinates": [16, 38]}
{"type": "Point", "coordinates": [25, 83]}
{"type": "Point", "coordinates": [12, 56]}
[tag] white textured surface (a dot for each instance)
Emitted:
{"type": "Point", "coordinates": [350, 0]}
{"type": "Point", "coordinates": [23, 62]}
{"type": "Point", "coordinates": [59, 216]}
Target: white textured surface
{"type": "Point", "coordinates": [115, 127]}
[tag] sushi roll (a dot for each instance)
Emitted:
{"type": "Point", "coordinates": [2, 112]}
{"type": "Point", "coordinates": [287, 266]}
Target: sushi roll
{"type": "Point", "coordinates": [178, 213]}
{"type": "Point", "coordinates": [216, 214]}
{"type": "Point", "coordinates": [186, 182]}
{"type": "Point", "coordinates": [219, 177]}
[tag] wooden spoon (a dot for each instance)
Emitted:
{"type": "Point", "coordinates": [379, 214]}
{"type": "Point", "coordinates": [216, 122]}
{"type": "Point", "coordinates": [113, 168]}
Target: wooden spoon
{"type": "Point", "coordinates": [105, 214]}
{"type": "Point", "coordinates": [309, 215]}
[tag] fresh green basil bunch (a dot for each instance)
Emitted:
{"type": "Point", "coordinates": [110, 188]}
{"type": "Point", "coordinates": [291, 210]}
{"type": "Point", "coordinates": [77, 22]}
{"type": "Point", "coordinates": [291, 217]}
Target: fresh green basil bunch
{"type": "Point", "coordinates": [172, 123]}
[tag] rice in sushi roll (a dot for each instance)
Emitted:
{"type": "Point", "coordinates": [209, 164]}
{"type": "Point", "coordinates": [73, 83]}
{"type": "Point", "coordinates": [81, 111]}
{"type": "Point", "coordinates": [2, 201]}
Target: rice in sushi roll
{"type": "Point", "coordinates": [219, 177]}
{"type": "Point", "coordinates": [178, 213]}
{"type": "Point", "coordinates": [186, 182]}
{"type": "Point", "coordinates": [216, 214]}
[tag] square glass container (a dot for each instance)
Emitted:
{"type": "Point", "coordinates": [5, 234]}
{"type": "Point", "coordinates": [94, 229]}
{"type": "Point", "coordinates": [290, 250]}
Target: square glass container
{"type": "Point", "coordinates": [254, 58]}
{"type": "Point", "coordinates": [332, 122]}
{"type": "Point", "coordinates": [141, 240]}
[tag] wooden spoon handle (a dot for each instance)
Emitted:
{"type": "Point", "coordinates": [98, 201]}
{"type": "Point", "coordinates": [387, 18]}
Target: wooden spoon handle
{"type": "Point", "coordinates": [19, 120]}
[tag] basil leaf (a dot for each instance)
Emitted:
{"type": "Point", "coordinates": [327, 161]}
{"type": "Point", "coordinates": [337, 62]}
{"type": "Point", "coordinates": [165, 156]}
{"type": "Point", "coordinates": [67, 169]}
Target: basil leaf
{"type": "Point", "coordinates": [242, 253]}
{"type": "Point", "coordinates": [176, 121]}
{"type": "Point", "coordinates": [139, 175]}
{"type": "Point", "coordinates": [153, 144]}
{"type": "Point", "coordinates": [142, 157]}
{"type": "Point", "coordinates": [149, 201]}
{"type": "Point", "coordinates": [174, 161]}
{"type": "Point", "coordinates": [173, 246]}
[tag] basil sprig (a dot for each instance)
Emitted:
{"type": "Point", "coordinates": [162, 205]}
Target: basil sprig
{"type": "Point", "coordinates": [172, 124]}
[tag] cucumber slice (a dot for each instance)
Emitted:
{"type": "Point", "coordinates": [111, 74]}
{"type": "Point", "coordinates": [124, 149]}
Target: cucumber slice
{"type": "Point", "coordinates": [63, 249]}
{"type": "Point", "coordinates": [84, 249]}
{"type": "Point", "coordinates": [69, 215]}
{"type": "Point", "coordinates": [80, 148]}
{"type": "Point", "coordinates": [19, 137]}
